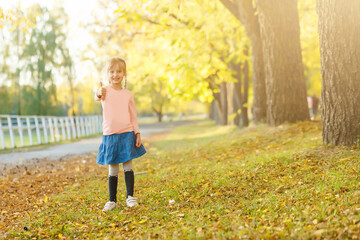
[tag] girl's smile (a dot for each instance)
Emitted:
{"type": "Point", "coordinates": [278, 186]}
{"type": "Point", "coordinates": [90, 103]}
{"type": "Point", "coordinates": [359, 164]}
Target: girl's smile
{"type": "Point", "coordinates": [116, 75]}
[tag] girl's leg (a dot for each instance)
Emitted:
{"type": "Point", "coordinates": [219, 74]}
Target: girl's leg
{"type": "Point", "coordinates": [129, 178]}
{"type": "Point", "coordinates": [113, 181]}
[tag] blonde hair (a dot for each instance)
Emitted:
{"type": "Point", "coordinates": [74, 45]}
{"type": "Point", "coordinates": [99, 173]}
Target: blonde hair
{"type": "Point", "coordinates": [117, 61]}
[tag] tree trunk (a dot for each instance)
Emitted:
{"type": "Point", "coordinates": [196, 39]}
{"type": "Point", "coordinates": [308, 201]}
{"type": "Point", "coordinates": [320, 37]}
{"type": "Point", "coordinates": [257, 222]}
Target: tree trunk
{"type": "Point", "coordinates": [241, 93]}
{"type": "Point", "coordinates": [159, 116]}
{"type": "Point", "coordinates": [237, 92]}
{"type": "Point", "coordinates": [230, 103]}
{"type": "Point", "coordinates": [224, 103]}
{"type": "Point", "coordinates": [159, 112]}
{"type": "Point", "coordinates": [285, 81]}
{"type": "Point", "coordinates": [259, 86]}
{"type": "Point", "coordinates": [244, 11]}
{"type": "Point", "coordinates": [215, 113]}
{"type": "Point", "coordinates": [244, 120]}
{"type": "Point", "coordinates": [236, 104]}
{"type": "Point", "coordinates": [339, 31]}
{"type": "Point", "coordinates": [219, 93]}
{"type": "Point", "coordinates": [211, 111]}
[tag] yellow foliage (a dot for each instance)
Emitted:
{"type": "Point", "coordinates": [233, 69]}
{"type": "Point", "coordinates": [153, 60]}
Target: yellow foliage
{"type": "Point", "coordinates": [18, 18]}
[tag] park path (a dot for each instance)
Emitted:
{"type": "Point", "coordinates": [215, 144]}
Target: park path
{"type": "Point", "coordinates": [79, 147]}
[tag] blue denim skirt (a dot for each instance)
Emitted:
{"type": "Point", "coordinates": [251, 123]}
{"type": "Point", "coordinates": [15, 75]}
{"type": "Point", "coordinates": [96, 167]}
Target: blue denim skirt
{"type": "Point", "coordinates": [119, 148]}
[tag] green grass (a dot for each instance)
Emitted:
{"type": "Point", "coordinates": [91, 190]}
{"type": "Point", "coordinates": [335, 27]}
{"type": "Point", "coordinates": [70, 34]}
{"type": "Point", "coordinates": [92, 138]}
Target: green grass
{"type": "Point", "coordinates": [26, 139]}
{"type": "Point", "coordinates": [200, 134]}
{"type": "Point", "coordinates": [259, 182]}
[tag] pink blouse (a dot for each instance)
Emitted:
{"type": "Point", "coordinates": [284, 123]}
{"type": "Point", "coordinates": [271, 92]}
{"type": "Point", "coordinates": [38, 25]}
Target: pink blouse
{"type": "Point", "coordinates": [119, 113]}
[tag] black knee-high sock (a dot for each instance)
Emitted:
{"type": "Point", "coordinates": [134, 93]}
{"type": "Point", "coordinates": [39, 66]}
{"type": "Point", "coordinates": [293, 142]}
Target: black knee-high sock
{"type": "Point", "coordinates": [113, 182]}
{"type": "Point", "coordinates": [129, 181]}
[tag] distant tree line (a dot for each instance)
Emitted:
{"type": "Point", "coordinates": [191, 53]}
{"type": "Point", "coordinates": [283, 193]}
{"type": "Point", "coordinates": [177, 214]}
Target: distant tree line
{"type": "Point", "coordinates": [36, 53]}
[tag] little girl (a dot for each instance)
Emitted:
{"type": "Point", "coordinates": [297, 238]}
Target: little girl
{"type": "Point", "coordinates": [121, 140]}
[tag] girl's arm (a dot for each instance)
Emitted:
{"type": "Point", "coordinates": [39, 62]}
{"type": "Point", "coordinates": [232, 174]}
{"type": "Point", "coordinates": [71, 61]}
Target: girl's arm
{"type": "Point", "coordinates": [133, 116]}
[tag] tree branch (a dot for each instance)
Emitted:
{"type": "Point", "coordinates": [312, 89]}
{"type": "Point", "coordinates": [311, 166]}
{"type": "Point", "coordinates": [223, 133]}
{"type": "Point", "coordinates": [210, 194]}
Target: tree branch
{"type": "Point", "coordinates": [232, 7]}
{"type": "Point", "coordinates": [186, 23]}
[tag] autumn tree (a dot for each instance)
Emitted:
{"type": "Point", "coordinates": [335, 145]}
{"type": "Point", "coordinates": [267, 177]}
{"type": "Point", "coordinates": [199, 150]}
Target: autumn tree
{"type": "Point", "coordinates": [339, 31]}
{"type": "Point", "coordinates": [244, 11]}
{"type": "Point", "coordinates": [190, 53]}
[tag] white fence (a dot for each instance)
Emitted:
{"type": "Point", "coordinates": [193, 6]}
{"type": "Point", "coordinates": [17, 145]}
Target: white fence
{"type": "Point", "coordinates": [19, 131]}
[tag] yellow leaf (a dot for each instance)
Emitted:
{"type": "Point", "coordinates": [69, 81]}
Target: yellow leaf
{"type": "Point", "coordinates": [60, 235]}
{"type": "Point", "coordinates": [318, 233]}
{"type": "Point", "coordinates": [118, 10]}
{"type": "Point", "coordinates": [288, 220]}
{"type": "Point", "coordinates": [46, 199]}
{"type": "Point", "coordinates": [232, 116]}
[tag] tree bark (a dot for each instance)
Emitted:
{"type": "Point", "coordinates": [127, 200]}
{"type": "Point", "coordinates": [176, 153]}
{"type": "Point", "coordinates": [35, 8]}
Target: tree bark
{"type": "Point", "coordinates": [219, 110]}
{"type": "Point", "coordinates": [160, 117]}
{"type": "Point", "coordinates": [158, 112]}
{"type": "Point", "coordinates": [285, 81]}
{"type": "Point", "coordinates": [240, 92]}
{"type": "Point", "coordinates": [339, 31]}
{"type": "Point", "coordinates": [224, 103]}
{"type": "Point", "coordinates": [259, 87]}
{"type": "Point", "coordinates": [214, 114]}
{"type": "Point", "coordinates": [220, 98]}
{"type": "Point", "coordinates": [237, 92]}
{"type": "Point", "coordinates": [230, 102]}
{"type": "Point", "coordinates": [244, 11]}
{"type": "Point", "coordinates": [244, 120]}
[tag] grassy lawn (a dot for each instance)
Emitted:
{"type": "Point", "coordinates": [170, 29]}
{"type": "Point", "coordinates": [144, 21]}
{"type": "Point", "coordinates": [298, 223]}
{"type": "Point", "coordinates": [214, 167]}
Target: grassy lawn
{"type": "Point", "coordinates": [26, 138]}
{"type": "Point", "coordinates": [208, 181]}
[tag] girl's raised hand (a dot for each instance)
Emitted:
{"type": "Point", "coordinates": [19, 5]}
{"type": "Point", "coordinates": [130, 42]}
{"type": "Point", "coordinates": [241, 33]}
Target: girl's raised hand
{"type": "Point", "coordinates": [101, 93]}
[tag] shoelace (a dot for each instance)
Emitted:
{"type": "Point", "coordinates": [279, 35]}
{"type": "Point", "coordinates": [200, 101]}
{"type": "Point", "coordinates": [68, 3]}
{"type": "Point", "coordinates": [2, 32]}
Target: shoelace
{"type": "Point", "coordinates": [131, 199]}
{"type": "Point", "coordinates": [108, 204]}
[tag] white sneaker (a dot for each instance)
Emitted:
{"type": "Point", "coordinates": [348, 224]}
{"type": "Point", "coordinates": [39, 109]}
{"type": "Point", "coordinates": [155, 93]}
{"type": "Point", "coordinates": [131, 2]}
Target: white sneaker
{"type": "Point", "coordinates": [131, 201]}
{"type": "Point", "coordinates": [109, 206]}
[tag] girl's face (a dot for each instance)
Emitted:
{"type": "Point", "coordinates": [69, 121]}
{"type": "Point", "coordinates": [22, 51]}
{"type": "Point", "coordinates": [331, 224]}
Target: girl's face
{"type": "Point", "coordinates": [116, 75]}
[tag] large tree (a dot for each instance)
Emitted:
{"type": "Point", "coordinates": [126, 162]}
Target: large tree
{"type": "Point", "coordinates": [188, 50]}
{"type": "Point", "coordinates": [285, 83]}
{"type": "Point", "coordinates": [244, 11]}
{"type": "Point", "coordinates": [339, 31]}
